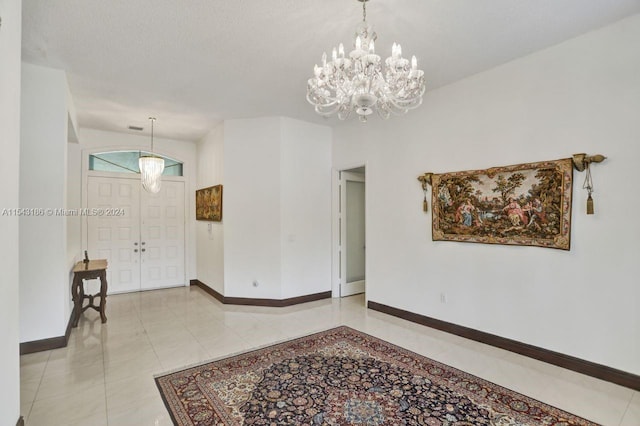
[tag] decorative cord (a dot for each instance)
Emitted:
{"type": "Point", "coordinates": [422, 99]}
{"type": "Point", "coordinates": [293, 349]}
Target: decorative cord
{"type": "Point", "coordinates": [588, 185]}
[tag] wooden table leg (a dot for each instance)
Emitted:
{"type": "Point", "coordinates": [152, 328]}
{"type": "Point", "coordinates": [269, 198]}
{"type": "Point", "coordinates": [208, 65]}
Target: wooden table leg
{"type": "Point", "coordinates": [103, 296]}
{"type": "Point", "coordinates": [77, 300]}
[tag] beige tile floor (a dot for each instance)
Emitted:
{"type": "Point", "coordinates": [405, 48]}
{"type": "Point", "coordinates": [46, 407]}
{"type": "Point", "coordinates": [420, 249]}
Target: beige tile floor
{"type": "Point", "coordinates": [105, 375]}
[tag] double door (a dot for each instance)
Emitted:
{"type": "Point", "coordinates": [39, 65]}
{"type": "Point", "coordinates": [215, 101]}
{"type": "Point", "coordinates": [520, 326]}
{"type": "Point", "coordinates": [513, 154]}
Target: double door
{"type": "Point", "coordinates": [142, 235]}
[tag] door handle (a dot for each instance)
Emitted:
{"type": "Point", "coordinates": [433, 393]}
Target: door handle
{"type": "Point", "coordinates": [135, 244]}
{"type": "Point", "coordinates": [143, 243]}
{"type": "Point", "coordinates": [135, 250]}
{"type": "Point", "coordinates": [143, 250]}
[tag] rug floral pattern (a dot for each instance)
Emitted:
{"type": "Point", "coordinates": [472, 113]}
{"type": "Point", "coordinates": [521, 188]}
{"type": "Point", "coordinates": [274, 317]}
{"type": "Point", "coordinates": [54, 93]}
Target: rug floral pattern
{"type": "Point", "coordinates": [344, 377]}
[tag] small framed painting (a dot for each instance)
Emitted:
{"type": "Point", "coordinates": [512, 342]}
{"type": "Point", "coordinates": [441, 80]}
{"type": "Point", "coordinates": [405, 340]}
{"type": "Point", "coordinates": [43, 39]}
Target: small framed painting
{"type": "Point", "coordinates": [209, 203]}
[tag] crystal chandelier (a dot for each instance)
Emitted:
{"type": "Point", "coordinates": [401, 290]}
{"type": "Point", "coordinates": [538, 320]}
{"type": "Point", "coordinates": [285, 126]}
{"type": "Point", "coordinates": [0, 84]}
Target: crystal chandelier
{"type": "Point", "coordinates": [359, 82]}
{"type": "Point", "coordinates": [151, 168]}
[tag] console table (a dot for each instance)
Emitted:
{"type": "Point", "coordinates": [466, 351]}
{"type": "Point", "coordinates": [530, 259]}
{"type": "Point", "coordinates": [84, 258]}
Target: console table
{"type": "Point", "coordinates": [94, 269]}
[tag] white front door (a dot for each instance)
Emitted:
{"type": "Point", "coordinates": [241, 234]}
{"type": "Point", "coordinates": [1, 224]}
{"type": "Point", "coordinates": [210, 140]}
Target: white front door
{"type": "Point", "coordinates": [162, 237]}
{"type": "Point", "coordinates": [353, 244]}
{"type": "Point", "coordinates": [145, 246]}
{"type": "Point", "coordinates": [115, 236]}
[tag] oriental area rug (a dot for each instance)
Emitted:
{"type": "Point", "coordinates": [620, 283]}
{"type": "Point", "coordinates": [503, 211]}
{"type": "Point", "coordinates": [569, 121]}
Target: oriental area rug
{"type": "Point", "coordinates": [344, 377]}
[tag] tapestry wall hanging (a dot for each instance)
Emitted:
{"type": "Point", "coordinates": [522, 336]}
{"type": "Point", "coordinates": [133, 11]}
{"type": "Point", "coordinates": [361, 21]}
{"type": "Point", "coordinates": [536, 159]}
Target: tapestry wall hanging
{"type": "Point", "coordinates": [209, 203]}
{"type": "Point", "coordinates": [525, 204]}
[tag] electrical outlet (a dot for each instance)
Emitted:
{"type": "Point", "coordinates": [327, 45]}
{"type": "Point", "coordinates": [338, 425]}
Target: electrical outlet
{"type": "Point", "coordinates": [443, 297]}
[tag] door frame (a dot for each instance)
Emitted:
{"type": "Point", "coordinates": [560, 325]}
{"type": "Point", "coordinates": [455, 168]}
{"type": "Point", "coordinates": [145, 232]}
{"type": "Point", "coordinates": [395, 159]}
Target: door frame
{"type": "Point", "coordinates": [85, 193]}
{"type": "Point", "coordinates": [336, 261]}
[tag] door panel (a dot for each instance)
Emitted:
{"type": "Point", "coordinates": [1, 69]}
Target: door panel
{"type": "Point", "coordinates": [162, 237]}
{"type": "Point", "coordinates": [115, 237]}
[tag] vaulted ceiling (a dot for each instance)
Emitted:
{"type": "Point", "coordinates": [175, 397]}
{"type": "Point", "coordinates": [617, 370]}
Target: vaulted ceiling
{"type": "Point", "coordinates": [193, 63]}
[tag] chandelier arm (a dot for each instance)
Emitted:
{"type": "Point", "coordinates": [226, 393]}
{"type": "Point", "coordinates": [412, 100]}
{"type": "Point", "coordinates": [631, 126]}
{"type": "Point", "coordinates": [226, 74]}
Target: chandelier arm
{"type": "Point", "coordinates": [383, 111]}
{"type": "Point", "coordinates": [345, 113]}
{"type": "Point", "coordinates": [322, 105]}
{"type": "Point", "coordinates": [319, 110]}
{"type": "Point", "coordinates": [333, 106]}
{"type": "Point", "coordinates": [332, 100]}
{"type": "Point", "coordinates": [394, 108]}
{"type": "Point", "coordinates": [400, 108]}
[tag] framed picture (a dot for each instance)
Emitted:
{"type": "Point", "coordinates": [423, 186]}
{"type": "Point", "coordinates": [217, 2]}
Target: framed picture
{"type": "Point", "coordinates": [525, 204]}
{"type": "Point", "coordinates": [209, 203]}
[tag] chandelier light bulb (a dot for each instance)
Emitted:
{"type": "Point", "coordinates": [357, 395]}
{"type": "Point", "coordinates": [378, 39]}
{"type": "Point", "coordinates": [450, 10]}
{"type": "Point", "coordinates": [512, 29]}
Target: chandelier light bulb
{"type": "Point", "coordinates": [361, 82]}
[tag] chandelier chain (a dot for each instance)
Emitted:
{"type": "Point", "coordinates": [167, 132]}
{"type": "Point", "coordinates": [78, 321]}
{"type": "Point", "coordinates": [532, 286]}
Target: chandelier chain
{"type": "Point", "coordinates": [153, 119]}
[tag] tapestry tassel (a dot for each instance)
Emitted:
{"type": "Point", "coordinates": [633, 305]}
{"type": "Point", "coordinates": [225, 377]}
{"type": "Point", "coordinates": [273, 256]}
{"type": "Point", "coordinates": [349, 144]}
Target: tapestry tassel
{"type": "Point", "coordinates": [425, 179]}
{"type": "Point", "coordinates": [589, 204]}
{"type": "Point", "coordinates": [588, 185]}
{"type": "Point", "coordinates": [582, 162]}
{"type": "Point", "coordinates": [425, 205]}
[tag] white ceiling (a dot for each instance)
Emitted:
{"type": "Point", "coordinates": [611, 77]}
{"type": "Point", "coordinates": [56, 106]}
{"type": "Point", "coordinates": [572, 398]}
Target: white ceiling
{"type": "Point", "coordinates": [194, 63]}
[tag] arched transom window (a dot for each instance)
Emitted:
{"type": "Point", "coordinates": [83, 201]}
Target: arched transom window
{"type": "Point", "coordinates": [127, 162]}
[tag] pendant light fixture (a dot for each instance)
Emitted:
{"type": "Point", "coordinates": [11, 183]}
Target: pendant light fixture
{"type": "Point", "coordinates": [151, 168]}
{"type": "Point", "coordinates": [361, 82]}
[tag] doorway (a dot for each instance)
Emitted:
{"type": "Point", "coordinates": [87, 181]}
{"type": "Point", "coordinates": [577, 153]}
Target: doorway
{"type": "Point", "coordinates": [352, 226]}
{"type": "Point", "coordinates": [142, 235]}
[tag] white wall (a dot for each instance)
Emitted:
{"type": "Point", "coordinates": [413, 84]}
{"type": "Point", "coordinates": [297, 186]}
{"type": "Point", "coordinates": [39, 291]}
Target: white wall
{"type": "Point", "coordinates": [92, 140]}
{"type": "Point", "coordinates": [305, 221]}
{"type": "Point", "coordinates": [277, 214]}
{"type": "Point", "coordinates": [73, 196]}
{"type": "Point", "coordinates": [74, 202]}
{"type": "Point", "coordinates": [73, 186]}
{"type": "Point", "coordinates": [44, 272]}
{"type": "Point", "coordinates": [10, 10]}
{"type": "Point", "coordinates": [580, 96]}
{"type": "Point", "coordinates": [210, 235]}
{"type": "Point", "coordinates": [252, 208]}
